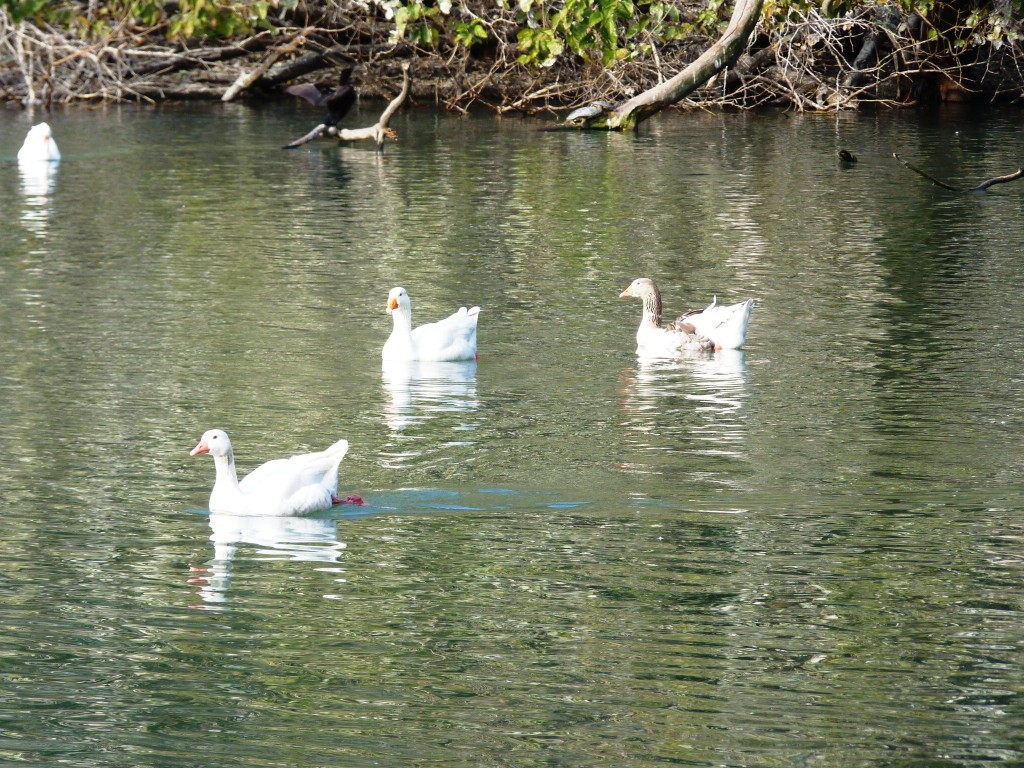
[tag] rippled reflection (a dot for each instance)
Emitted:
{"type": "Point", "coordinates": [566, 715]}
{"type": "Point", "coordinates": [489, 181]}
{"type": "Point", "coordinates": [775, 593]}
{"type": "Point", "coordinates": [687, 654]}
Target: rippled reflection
{"type": "Point", "coordinates": [419, 390]}
{"type": "Point", "coordinates": [719, 381]}
{"type": "Point", "coordinates": [716, 381]}
{"type": "Point", "coordinates": [38, 180]}
{"type": "Point", "coordinates": [698, 394]}
{"type": "Point", "coordinates": [274, 538]}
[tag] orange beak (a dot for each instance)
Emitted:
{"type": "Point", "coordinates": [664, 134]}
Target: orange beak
{"type": "Point", "coordinates": [627, 294]}
{"type": "Point", "coordinates": [392, 303]}
{"type": "Point", "coordinates": [201, 448]}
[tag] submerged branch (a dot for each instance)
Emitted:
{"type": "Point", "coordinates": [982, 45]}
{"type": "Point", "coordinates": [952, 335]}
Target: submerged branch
{"type": "Point", "coordinates": [979, 188]}
{"type": "Point", "coordinates": [316, 133]}
{"type": "Point", "coordinates": [999, 180]}
{"type": "Point", "coordinates": [932, 179]}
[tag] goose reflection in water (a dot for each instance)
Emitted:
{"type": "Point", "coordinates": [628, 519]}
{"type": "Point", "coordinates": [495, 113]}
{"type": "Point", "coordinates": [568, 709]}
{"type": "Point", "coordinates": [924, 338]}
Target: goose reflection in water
{"type": "Point", "coordinates": [713, 386]}
{"type": "Point", "coordinates": [38, 181]}
{"type": "Point", "coordinates": [312, 539]}
{"type": "Point", "coordinates": [419, 390]}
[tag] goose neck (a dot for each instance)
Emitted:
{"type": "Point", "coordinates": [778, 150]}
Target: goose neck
{"type": "Point", "coordinates": [227, 477]}
{"type": "Point", "coordinates": [402, 320]}
{"type": "Point", "coordinates": [652, 309]}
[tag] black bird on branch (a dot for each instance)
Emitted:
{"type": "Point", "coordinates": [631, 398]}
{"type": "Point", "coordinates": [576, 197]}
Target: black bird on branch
{"type": "Point", "coordinates": [337, 103]}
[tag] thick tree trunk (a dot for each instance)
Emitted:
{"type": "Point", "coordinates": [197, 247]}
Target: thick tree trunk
{"type": "Point", "coordinates": [303, 65]}
{"type": "Point", "coordinates": [719, 56]}
{"type": "Point", "coordinates": [182, 61]}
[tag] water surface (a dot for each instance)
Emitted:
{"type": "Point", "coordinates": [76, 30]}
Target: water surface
{"type": "Point", "coordinates": [807, 553]}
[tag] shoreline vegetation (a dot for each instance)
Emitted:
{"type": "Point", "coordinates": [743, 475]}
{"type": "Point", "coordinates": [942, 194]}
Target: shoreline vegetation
{"type": "Point", "coordinates": [513, 56]}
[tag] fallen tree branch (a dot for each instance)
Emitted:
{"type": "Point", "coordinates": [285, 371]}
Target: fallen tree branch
{"type": "Point", "coordinates": [248, 78]}
{"type": "Point", "coordinates": [309, 62]}
{"type": "Point", "coordinates": [999, 180]}
{"type": "Point", "coordinates": [316, 133]}
{"type": "Point", "coordinates": [188, 60]}
{"type": "Point", "coordinates": [932, 179]}
{"type": "Point", "coordinates": [721, 55]}
{"type": "Point", "coordinates": [979, 188]}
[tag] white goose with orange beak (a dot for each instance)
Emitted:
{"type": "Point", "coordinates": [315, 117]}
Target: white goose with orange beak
{"type": "Point", "coordinates": [298, 485]}
{"type": "Point", "coordinates": [449, 340]}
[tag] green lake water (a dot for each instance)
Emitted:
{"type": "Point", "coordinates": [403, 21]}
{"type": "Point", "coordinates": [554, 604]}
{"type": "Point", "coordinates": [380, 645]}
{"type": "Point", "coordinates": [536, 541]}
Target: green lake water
{"type": "Point", "coordinates": [807, 553]}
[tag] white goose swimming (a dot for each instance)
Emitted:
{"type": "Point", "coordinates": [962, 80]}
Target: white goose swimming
{"type": "Point", "coordinates": [295, 486]}
{"type": "Point", "coordinates": [715, 327]}
{"type": "Point", "coordinates": [448, 340]}
{"type": "Point", "coordinates": [39, 145]}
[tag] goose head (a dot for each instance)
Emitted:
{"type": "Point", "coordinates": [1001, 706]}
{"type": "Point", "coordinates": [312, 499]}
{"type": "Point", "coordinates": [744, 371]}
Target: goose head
{"type": "Point", "coordinates": [644, 288]}
{"type": "Point", "coordinates": [639, 289]}
{"type": "Point", "coordinates": [398, 298]}
{"type": "Point", "coordinates": [214, 442]}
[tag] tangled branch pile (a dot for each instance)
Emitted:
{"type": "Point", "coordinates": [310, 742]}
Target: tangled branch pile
{"type": "Point", "coordinates": [522, 56]}
{"type": "Point", "coordinates": [875, 56]}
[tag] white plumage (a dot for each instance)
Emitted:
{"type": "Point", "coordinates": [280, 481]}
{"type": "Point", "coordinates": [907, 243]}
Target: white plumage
{"type": "Point", "coordinates": [294, 486]}
{"type": "Point", "coordinates": [39, 145]}
{"type": "Point", "coordinates": [448, 340]}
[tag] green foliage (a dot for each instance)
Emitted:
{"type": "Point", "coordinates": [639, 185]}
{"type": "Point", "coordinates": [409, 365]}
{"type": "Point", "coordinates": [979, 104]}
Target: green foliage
{"type": "Point", "coordinates": [209, 18]}
{"type": "Point", "coordinates": [190, 19]}
{"type": "Point", "coordinates": [597, 30]}
{"type": "Point", "coordinates": [539, 46]}
{"type": "Point", "coordinates": [600, 31]}
{"type": "Point", "coordinates": [707, 18]}
{"type": "Point", "coordinates": [20, 10]}
{"type": "Point", "coordinates": [662, 21]}
{"type": "Point", "coordinates": [423, 23]}
{"type": "Point", "coordinates": [149, 13]}
{"type": "Point", "coordinates": [593, 25]}
{"type": "Point", "coordinates": [468, 34]}
{"type": "Point", "coordinates": [997, 24]}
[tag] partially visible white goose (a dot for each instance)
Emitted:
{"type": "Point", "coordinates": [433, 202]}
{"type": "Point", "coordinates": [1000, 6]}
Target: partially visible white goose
{"type": "Point", "coordinates": [448, 340]}
{"type": "Point", "coordinates": [295, 486]}
{"type": "Point", "coordinates": [39, 145]}
{"type": "Point", "coordinates": [715, 327]}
